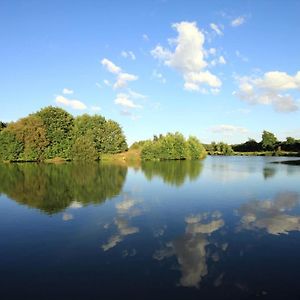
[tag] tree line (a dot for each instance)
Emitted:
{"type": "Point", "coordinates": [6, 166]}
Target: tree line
{"type": "Point", "coordinates": [269, 142]}
{"type": "Point", "coordinates": [52, 132]}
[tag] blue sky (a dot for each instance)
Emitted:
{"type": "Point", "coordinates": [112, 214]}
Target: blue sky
{"type": "Point", "coordinates": [220, 70]}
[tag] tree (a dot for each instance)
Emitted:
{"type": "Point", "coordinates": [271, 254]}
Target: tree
{"type": "Point", "coordinates": [196, 149]}
{"type": "Point", "coordinates": [10, 146]}
{"type": "Point", "coordinates": [2, 125]}
{"type": "Point", "coordinates": [59, 127]}
{"type": "Point", "coordinates": [84, 149]}
{"type": "Point", "coordinates": [269, 140]}
{"type": "Point", "coordinates": [290, 140]}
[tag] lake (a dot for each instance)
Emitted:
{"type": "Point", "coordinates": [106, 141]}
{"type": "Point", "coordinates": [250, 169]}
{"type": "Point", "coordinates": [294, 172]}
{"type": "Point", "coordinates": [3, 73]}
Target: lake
{"type": "Point", "coordinates": [222, 228]}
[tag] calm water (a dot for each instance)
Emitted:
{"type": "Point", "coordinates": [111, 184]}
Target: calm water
{"type": "Point", "coordinates": [225, 228]}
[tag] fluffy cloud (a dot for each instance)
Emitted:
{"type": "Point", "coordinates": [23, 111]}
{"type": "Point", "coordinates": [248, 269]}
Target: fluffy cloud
{"type": "Point", "coordinates": [270, 89]}
{"type": "Point", "coordinates": [216, 28]}
{"type": "Point", "coordinates": [188, 57]}
{"type": "Point", "coordinates": [228, 129]}
{"type": "Point", "coordinates": [110, 66]}
{"type": "Point", "coordinates": [125, 101]}
{"type": "Point", "coordinates": [128, 54]}
{"type": "Point", "coordinates": [75, 104]}
{"type": "Point", "coordinates": [238, 21]}
{"type": "Point", "coordinates": [67, 91]}
{"type": "Point", "coordinates": [122, 77]}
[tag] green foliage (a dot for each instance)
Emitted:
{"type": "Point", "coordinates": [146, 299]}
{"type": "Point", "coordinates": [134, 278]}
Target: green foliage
{"type": "Point", "coordinates": [54, 133]}
{"type": "Point", "coordinates": [84, 149]}
{"type": "Point", "coordinates": [52, 188]}
{"type": "Point", "coordinates": [290, 140]}
{"type": "Point", "coordinates": [172, 147]}
{"type": "Point", "coordinates": [10, 146]}
{"type": "Point", "coordinates": [2, 125]}
{"type": "Point", "coordinates": [107, 135]}
{"type": "Point", "coordinates": [59, 126]}
{"type": "Point", "coordinates": [269, 140]}
{"type": "Point", "coordinates": [220, 149]}
{"type": "Point", "coordinates": [196, 149]}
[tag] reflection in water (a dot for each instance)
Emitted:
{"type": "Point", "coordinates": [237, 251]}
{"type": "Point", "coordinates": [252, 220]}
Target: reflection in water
{"type": "Point", "coordinates": [271, 215]}
{"type": "Point", "coordinates": [173, 172]}
{"type": "Point", "coordinates": [191, 248]}
{"type": "Point", "coordinates": [126, 210]}
{"type": "Point", "coordinates": [269, 172]}
{"type": "Point", "coordinates": [53, 188]}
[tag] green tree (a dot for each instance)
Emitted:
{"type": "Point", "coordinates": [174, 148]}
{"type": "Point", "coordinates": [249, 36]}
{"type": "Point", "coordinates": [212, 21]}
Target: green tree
{"type": "Point", "coordinates": [196, 149]}
{"type": "Point", "coordinates": [84, 149]}
{"type": "Point", "coordinates": [269, 140]}
{"type": "Point", "coordinates": [10, 146]}
{"type": "Point", "coordinates": [59, 128]}
{"type": "Point", "coordinates": [290, 140]}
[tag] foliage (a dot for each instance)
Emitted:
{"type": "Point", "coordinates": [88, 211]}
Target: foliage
{"type": "Point", "coordinates": [10, 147]}
{"type": "Point", "coordinates": [220, 149]}
{"type": "Point", "coordinates": [2, 125]}
{"type": "Point", "coordinates": [269, 140]}
{"type": "Point", "coordinates": [58, 125]}
{"type": "Point", "coordinates": [172, 147]}
{"type": "Point", "coordinates": [54, 133]}
{"type": "Point", "coordinates": [84, 149]}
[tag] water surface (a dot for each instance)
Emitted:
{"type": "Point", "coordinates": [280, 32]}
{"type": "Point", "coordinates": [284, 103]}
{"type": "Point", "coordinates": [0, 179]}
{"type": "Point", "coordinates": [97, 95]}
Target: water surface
{"type": "Point", "coordinates": [224, 228]}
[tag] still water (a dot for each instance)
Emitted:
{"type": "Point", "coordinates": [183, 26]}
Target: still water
{"type": "Point", "coordinates": [224, 228]}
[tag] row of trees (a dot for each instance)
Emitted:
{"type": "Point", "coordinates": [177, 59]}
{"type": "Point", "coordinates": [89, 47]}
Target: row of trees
{"type": "Point", "coordinates": [172, 147]}
{"type": "Point", "coordinates": [52, 132]}
{"type": "Point", "coordinates": [219, 149]}
{"type": "Point", "coordinates": [269, 142]}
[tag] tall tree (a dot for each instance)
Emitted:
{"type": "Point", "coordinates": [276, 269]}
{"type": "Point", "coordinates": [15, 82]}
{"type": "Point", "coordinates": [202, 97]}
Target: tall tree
{"type": "Point", "coordinates": [269, 140]}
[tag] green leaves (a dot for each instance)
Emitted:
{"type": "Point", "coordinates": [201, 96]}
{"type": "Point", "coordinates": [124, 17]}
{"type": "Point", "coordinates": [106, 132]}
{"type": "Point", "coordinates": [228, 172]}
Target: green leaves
{"type": "Point", "coordinates": [54, 133]}
{"type": "Point", "coordinates": [172, 147]}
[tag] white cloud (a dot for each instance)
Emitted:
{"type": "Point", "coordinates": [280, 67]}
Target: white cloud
{"type": "Point", "coordinates": [216, 28]}
{"type": "Point", "coordinates": [67, 91]}
{"type": "Point", "coordinates": [188, 57]}
{"type": "Point", "coordinates": [128, 54]}
{"type": "Point", "coordinates": [221, 61]}
{"type": "Point", "coordinates": [75, 104]}
{"type": "Point", "coordinates": [110, 66]}
{"type": "Point", "coordinates": [270, 89]}
{"type": "Point", "coordinates": [122, 77]}
{"type": "Point", "coordinates": [238, 21]}
{"type": "Point", "coordinates": [228, 129]}
{"type": "Point", "coordinates": [124, 101]}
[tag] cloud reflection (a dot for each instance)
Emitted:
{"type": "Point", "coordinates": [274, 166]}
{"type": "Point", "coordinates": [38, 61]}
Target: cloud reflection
{"type": "Point", "coordinates": [190, 249]}
{"type": "Point", "coordinates": [271, 215]}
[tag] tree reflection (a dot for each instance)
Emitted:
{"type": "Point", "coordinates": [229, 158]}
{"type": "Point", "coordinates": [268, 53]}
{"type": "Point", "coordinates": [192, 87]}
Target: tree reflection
{"type": "Point", "coordinates": [52, 188]}
{"type": "Point", "coordinates": [172, 172]}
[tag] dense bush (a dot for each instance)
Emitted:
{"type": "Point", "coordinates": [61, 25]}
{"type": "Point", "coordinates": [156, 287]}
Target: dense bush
{"type": "Point", "coordinates": [172, 147]}
{"type": "Point", "coordinates": [53, 132]}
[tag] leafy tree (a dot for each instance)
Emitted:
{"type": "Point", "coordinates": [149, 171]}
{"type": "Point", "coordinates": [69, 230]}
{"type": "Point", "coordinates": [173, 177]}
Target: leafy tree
{"type": "Point", "coordinates": [10, 146]}
{"type": "Point", "coordinates": [59, 127]}
{"type": "Point", "coordinates": [269, 140]}
{"type": "Point", "coordinates": [196, 149]}
{"type": "Point", "coordinates": [31, 133]}
{"type": "Point", "coordinates": [84, 149]}
{"type": "Point", "coordinates": [290, 140]}
{"type": "Point", "coordinates": [172, 147]}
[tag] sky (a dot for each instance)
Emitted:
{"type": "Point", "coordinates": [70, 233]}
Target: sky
{"type": "Point", "coordinates": [219, 70]}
